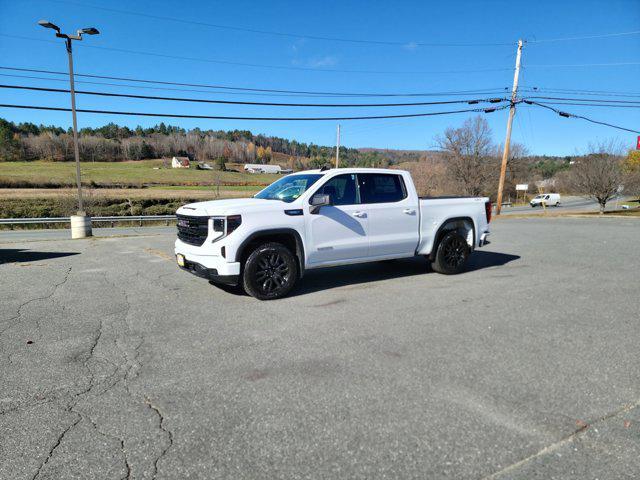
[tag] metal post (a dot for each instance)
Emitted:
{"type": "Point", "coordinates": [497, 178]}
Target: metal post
{"type": "Point", "coordinates": [507, 142]}
{"type": "Point", "coordinates": [75, 129]}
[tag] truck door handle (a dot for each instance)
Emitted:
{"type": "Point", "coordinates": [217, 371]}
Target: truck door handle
{"type": "Point", "coordinates": [409, 211]}
{"type": "Point", "coordinates": [359, 214]}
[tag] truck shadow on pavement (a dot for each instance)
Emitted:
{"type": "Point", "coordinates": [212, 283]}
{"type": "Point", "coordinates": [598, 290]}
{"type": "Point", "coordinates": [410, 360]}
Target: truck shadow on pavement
{"type": "Point", "coordinates": [19, 255]}
{"type": "Point", "coordinates": [342, 276]}
{"type": "Point", "coordinates": [333, 277]}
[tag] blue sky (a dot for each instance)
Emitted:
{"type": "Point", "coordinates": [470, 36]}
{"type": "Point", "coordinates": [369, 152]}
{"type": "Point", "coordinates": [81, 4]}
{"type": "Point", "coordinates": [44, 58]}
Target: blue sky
{"type": "Point", "coordinates": [319, 65]}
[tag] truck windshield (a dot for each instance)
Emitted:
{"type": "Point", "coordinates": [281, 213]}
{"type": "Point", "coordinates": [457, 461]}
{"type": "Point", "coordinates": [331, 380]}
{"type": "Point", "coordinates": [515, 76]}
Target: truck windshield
{"type": "Point", "coordinates": [288, 188]}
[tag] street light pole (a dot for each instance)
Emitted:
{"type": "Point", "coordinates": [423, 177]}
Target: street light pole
{"type": "Point", "coordinates": [76, 150]}
{"type": "Point", "coordinates": [80, 223]}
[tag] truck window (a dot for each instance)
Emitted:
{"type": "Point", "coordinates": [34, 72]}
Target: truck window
{"type": "Point", "coordinates": [288, 188]}
{"type": "Point", "coordinates": [381, 188]}
{"type": "Point", "coordinates": [341, 189]}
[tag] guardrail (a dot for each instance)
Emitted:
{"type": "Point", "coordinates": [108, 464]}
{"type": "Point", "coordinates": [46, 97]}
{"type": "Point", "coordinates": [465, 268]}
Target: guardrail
{"type": "Point", "coordinates": [112, 220]}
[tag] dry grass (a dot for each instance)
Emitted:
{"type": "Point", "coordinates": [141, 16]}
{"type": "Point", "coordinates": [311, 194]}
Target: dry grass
{"type": "Point", "coordinates": [125, 193]}
{"type": "Point", "coordinates": [143, 172]}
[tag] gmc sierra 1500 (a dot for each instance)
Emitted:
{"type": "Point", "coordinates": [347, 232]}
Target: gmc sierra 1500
{"type": "Point", "coordinates": [321, 218]}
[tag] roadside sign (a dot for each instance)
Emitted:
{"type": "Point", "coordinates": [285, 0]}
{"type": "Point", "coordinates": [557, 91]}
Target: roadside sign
{"type": "Point", "coordinates": [638, 144]}
{"type": "Point", "coordinates": [525, 186]}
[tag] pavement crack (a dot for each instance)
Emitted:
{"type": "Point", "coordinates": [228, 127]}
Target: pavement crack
{"type": "Point", "coordinates": [120, 441]}
{"type": "Point", "coordinates": [168, 433]}
{"type": "Point", "coordinates": [55, 446]}
{"type": "Point", "coordinates": [584, 426]}
{"type": "Point", "coordinates": [126, 461]}
{"type": "Point", "coordinates": [46, 297]}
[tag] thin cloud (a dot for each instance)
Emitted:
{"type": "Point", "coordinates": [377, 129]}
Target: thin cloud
{"type": "Point", "coordinates": [316, 62]}
{"type": "Point", "coordinates": [298, 44]}
{"type": "Point", "coordinates": [326, 61]}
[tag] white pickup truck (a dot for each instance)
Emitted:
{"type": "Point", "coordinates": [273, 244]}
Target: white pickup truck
{"type": "Point", "coordinates": [321, 218]}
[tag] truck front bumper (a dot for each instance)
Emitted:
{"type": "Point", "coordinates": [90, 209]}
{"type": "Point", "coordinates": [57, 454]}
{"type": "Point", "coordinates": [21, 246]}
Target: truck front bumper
{"type": "Point", "coordinates": [212, 267]}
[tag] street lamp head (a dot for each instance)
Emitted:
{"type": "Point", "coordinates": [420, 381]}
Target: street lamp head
{"type": "Point", "coordinates": [47, 24]}
{"type": "Point", "coordinates": [90, 31]}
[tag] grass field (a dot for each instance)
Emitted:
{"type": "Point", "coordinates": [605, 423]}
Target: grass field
{"type": "Point", "coordinates": [206, 188]}
{"type": "Point", "coordinates": [138, 173]}
{"type": "Point", "coordinates": [205, 193]}
{"type": "Point", "coordinates": [46, 189]}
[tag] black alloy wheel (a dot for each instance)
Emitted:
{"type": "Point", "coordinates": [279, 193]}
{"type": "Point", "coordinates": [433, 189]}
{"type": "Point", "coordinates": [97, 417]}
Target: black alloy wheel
{"type": "Point", "coordinates": [455, 252]}
{"type": "Point", "coordinates": [270, 271]}
{"type": "Point", "coordinates": [452, 254]}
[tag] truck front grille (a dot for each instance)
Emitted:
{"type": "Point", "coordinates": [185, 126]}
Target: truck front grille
{"type": "Point", "coordinates": [193, 230]}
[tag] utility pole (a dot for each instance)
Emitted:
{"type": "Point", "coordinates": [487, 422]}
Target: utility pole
{"type": "Point", "coordinates": [80, 223]}
{"type": "Point", "coordinates": [338, 146]}
{"type": "Point", "coordinates": [507, 142]}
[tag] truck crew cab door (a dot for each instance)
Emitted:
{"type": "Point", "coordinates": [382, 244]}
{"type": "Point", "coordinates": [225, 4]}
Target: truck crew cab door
{"type": "Point", "coordinates": [337, 232]}
{"type": "Point", "coordinates": [393, 214]}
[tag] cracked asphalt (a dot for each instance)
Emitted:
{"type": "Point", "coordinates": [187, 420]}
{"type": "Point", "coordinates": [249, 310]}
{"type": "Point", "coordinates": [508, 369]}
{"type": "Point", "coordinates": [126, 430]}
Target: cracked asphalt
{"type": "Point", "coordinates": [114, 364]}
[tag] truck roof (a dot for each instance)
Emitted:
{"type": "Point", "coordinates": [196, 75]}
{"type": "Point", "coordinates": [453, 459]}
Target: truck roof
{"type": "Point", "coordinates": [352, 170]}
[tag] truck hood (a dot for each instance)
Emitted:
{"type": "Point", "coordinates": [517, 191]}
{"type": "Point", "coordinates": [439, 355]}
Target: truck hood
{"type": "Point", "coordinates": [231, 206]}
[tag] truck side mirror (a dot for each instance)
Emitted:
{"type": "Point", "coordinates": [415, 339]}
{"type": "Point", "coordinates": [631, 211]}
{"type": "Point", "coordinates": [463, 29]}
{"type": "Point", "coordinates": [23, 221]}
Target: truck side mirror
{"type": "Point", "coordinates": [317, 201]}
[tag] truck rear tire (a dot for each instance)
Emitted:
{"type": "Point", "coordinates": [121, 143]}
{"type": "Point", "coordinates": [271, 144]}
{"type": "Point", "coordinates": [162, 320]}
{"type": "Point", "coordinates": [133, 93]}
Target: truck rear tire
{"type": "Point", "coordinates": [270, 271]}
{"type": "Point", "coordinates": [452, 254]}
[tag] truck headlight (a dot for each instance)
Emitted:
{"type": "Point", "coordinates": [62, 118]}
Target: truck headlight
{"type": "Point", "coordinates": [233, 222]}
{"type": "Point", "coordinates": [218, 224]}
{"type": "Point", "coordinates": [225, 225]}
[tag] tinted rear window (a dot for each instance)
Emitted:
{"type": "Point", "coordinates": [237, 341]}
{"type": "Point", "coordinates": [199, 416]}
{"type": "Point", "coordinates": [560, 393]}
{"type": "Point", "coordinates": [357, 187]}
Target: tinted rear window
{"type": "Point", "coordinates": [381, 188]}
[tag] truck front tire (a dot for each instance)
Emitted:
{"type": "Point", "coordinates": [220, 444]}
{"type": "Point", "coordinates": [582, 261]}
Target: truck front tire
{"type": "Point", "coordinates": [270, 271]}
{"type": "Point", "coordinates": [452, 254]}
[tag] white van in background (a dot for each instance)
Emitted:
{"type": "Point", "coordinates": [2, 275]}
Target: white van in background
{"type": "Point", "coordinates": [549, 199]}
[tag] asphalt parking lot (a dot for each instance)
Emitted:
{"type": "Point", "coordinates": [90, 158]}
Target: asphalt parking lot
{"type": "Point", "coordinates": [115, 364]}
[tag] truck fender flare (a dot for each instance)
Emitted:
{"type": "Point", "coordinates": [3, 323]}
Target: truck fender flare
{"type": "Point", "coordinates": [442, 229]}
{"type": "Point", "coordinates": [275, 232]}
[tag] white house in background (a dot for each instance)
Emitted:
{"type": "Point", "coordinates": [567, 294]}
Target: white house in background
{"type": "Point", "coordinates": [180, 162]}
{"type": "Point", "coordinates": [258, 168]}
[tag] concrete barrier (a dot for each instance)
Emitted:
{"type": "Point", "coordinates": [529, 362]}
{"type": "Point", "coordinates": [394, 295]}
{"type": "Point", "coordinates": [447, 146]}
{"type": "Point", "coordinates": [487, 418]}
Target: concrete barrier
{"type": "Point", "coordinates": [80, 226]}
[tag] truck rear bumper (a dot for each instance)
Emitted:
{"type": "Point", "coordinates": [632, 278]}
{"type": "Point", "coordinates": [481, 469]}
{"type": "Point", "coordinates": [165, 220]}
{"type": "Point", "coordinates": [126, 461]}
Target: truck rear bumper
{"type": "Point", "coordinates": [484, 239]}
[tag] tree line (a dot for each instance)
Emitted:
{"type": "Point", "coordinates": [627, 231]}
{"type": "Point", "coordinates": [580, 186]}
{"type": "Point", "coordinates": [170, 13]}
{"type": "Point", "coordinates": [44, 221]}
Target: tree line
{"type": "Point", "coordinates": [466, 160]}
{"type": "Point", "coordinates": [112, 142]}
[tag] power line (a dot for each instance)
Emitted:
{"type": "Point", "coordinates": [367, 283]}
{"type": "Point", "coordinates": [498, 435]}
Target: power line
{"type": "Point", "coordinates": [590, 104]}
{"type": "Point", "coordinates": [124, 85]}
{"type": "Point", "coordinates": [211, 117]}
{"type": "Point", "coordinates": [583, 99]}
{"type": "Point", "coordinates": [262, 65]}
{"type": "Point", "coordinates": [209, 92]}
{"type": "Point", "coordinates": [227, 87]}
{"type": "Point", "coordinates": [285, 34]}
{"type": "Point", "coordinates": [585, 37]}
{"type": "Point", "coordinates": [604, 93]}
{"type": "Point", "coordinates": [572, 115]}
{"type": "Point", "coordinates": [271, 104]}
{"type": "Point", "coordinates": [573, 65]}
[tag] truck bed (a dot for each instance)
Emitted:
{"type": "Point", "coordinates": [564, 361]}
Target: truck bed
{"type": "Point", "coordinates": [435, 211]}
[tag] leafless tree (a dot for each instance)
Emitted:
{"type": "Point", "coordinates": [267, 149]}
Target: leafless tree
{"type": "Point", "coordinates": [430, 177]}
{"type": "Point", "coordinates": [468, 153]}
{"type": "Point", "coordinates": [598, 174]}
